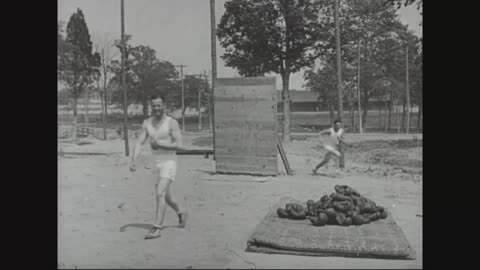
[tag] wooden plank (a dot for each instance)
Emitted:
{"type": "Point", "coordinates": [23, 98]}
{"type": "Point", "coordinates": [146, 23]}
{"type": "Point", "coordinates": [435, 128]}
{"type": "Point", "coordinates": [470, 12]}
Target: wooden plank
{"type": "Point", "coordinates": [195, 152]}
{"type": "Point", "coordinates": [238, 169]}
{"type": "Point", "coordinates": [247, 164]}
{"type": "Point", "coordinates": [245, 126]}
{"type": "Point", "coordinates": [284, 158]}
{"type": "Point", "coordinates": [264, 136]}
{"type": "Point", "coordinates": [259, 151]}
{"type": "Point", "coordinates": [259, 108]}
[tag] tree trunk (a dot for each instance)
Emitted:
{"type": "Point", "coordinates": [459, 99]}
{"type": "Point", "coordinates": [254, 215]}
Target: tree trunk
{"type": "Point", "coordinates": [200, 108]}
{"type": "Point", "coordinates": [184, 109]}
{"type": "Point", "coordinates": [419, 119]}
{"type": "Point", "coordinates": [389, 116]}
{"type": "Point", "coordinates": [404, 113]}
{"type": "Point", "coordinates": [103, 116]}
{"type": "Point", "coordinates": [145, 108]}
{"type": "Point", "coordinates": [365, 112]}
{"type": "Point", "coordinates": [358, 94]}
{"type": "Point", "coordinates": [385, 117]}
{"type": "Point", "coordinates": [352, 116]}
{"type": "Point", "coordinates": [105, 94]}
{"type": "Point", "coordinates": [104, 98]}
{"type": "Point", "coordinates": [286, 107]}
{"type": "Point", "coordinates": [74, 129]}
{"type": "Point", "coordinates": [339, 62]}
{"type": "Point", "coordinates": [331, 113]}
{"type": "Point", "coordinates": [398, 116]}
{"type": "Point", "coordinates": [379, 118]}
{"type": "Point", "coordinates": [87, 95]}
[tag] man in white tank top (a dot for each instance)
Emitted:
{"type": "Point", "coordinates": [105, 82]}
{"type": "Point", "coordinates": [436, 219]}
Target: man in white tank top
{"type": "Point", "coordinates": [164, 137]}
{"type": "Point", "coordinates": [332, 145]}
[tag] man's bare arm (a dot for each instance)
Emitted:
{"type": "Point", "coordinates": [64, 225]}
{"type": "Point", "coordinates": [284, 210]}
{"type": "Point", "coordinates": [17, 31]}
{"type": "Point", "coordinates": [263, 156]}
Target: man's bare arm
{"type": "Point", "coordinates": [324, 132]}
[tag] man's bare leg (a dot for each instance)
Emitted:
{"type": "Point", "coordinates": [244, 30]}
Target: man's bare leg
{"type": "Point", "coordinates": [325, 160]}
{"type": "Point", "coordinates": [161, 190]}
{"type": "Point", "coordinates": [181, 213]}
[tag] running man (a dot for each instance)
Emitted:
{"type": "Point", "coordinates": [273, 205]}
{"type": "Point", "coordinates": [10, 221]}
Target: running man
{"type": "Point", "coordinates": [336, 133]}
{"type": "Point", "coordinates": [164, 136]}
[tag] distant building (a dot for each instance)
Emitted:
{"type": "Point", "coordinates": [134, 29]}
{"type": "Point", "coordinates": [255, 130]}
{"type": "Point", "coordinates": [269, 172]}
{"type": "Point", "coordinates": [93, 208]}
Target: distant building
{"type": "Point", "coordinates": [301, 101]}
{"type": "Point", "coordinates": [308, 101]}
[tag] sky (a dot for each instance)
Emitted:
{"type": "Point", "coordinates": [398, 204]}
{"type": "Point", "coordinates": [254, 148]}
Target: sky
{"type": "Point", "coordinates": [178, 30]}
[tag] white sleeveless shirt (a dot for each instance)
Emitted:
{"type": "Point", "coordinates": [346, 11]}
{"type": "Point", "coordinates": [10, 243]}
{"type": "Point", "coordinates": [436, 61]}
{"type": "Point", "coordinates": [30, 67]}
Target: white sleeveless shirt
{"type": "Point", "coordinates": [337, 134]}
{"type": "Point", "coordinates": [160, 133]}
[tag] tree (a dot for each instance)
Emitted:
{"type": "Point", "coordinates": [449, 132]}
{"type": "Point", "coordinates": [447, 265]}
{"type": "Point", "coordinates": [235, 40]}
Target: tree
{"type": "Point", "coordinates": [398, 4]}
{"type": "Point", "coordinates": [146, 75]}
{"type": "Point", "coordinates": [375, 30]}
{"type": "Point", "coordinates": [104, 48]}
{"type": "Point", "coordinates": [405, 3]}
{"type": "Point", "coordinates": [63, 97]}
{"type": "Point", "coordinates": [376, 22]}
{"type": "Point", "coordinates": [416, 80]}
{"type": "Point", "coordinates": [263, 36]}
{"type": "Point", "coordinates": [78, 63]}
{"type": "Point", "coordinates": [323, 81]}
{"type": "Point", "coordinates": [192, 86]}
{"type": "Point", "coordinates": [63, 50]}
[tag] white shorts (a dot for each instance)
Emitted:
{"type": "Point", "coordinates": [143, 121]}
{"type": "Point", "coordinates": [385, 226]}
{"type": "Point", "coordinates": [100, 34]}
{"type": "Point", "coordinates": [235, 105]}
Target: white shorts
{"type": "Point", "coordinates": [333, 150]}
{"type": "Point", "coordinates": [166, 168]}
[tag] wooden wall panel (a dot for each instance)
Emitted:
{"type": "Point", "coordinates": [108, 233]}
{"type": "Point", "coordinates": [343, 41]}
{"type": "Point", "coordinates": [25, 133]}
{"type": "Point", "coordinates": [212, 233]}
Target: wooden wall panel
{"type": "Point", "coordinates": [246, 126]}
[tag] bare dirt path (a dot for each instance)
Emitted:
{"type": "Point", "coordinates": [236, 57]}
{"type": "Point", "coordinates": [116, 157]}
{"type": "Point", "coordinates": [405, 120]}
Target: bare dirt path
{"type": "Point", "coordinates": [104, 210]}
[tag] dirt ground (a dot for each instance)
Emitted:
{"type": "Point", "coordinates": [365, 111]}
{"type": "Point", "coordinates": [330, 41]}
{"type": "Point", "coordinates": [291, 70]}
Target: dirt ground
{"type": "Point", "coordinates": [104, 210]}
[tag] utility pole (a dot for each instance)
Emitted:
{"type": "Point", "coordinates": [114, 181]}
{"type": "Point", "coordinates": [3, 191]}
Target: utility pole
{"type": "Point", "coordinates": [408, 92]}
{"type": "Point", "coordinates": [125, 115]}
{"type": "Point", "coordinates": [183, 97]}
{"type": "Point", "coordinates": [339, 63]}
{"type": "Point", "coordinates": [213, 45]}
{"type": "Point", "coordinates": [358, 92]}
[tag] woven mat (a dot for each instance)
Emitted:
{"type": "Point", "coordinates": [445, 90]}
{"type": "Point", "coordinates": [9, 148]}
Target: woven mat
{"type": "Point", "coordinates": [381, 239]}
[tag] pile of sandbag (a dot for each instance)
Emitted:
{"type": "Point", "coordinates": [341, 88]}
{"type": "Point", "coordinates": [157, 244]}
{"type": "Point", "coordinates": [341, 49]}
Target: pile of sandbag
{"type": "Point", "coordinates": [344, 207]}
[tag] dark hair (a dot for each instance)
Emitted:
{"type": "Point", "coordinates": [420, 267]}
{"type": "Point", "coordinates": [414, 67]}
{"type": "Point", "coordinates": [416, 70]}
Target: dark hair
{"type": "Point", "coordinates": [157, 96]}
{"type": "Point", "coordinates": [337, 121]}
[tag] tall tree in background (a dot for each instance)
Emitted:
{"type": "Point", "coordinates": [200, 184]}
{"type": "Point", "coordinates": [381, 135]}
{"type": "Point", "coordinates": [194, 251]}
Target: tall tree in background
{"type": "Point", "coordinates": [338, 57]}
{"type": "Point", "coordinates": [375, 23]}
{"type": "Point", "coordinates": [78, 64]}
{"type": "Point", "coordinates": [320, 80]}
{"type": "Point", "coordinates": [145, 75]}
{"type": "Point", "coordinates": [264, 36]}
{"type": "Point", "coordinates": [405, 3]}
{"type": "Point", "coordinates": [323, 81]}
{"type": "Point", "coordinates": [382, 52]}
{"type": "Point", "coordinates": [151, 74]}
{"type": "Point", "coordinates": [416, 79]}
{"type": "Point", "coordinates": [62, 48]}
{"type": "Point", "coordinates": [104, 48]}
{"type": "Point", "coordinates": [193, 85]}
